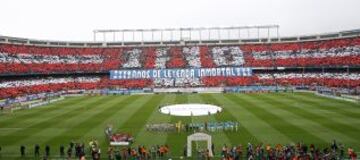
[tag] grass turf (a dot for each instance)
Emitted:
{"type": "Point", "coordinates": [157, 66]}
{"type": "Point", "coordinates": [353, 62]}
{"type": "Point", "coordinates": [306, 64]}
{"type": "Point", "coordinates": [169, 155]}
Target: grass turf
{"type": "Point", "coordinates": [269, 118]}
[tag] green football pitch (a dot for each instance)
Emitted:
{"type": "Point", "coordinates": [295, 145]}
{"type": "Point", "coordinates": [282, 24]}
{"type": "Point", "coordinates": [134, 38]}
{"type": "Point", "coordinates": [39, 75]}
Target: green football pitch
{"type": "Point", "coordinates": [270, 118]}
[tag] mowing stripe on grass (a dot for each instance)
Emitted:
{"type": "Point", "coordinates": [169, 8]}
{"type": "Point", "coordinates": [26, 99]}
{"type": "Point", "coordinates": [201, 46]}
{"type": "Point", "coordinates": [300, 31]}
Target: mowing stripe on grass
{"type": "Point", "coordinates": [135, 123]}
{"type": "Point", "coordinates": [313, 97]}
{"type": "Point", "coordinates": [336, 113]}
{"type": "Point", "coordinates": [140, 113]}
{"type": "Point", "coordinates": [218, 137]}
{"type": "Point", "coordinates": [79, 130]}
{"type": "Point", "coordinates": [49, 115]}
{"type": "Point", "coordinates": [243, 135]}
{"type": "Point", "coordinates": [21, 125]}
{"type": "Point", "coordinates": [278, 123]}
{"type": "Point", "coordinates": [55, 138]}
{"type": "Point", "coordinates": [324, 121]}
{"type": "Point", "coordinates": [117, 119]}
{"type": "Point", "coordinates": [320, 122]}
{"type": "Point", "coordinates": [39, 117]}
{"type": "Point", "coordinates": [13, 118]}
{"type": "Point", "coordinates": [319, 104]}
{"type": "Point", "coordinates": [36, 135]}
{"type": "Point", "coordinates": [252, 123]}
{"type": "Point", "coordinates": [178, 140]}
{"type": "Point", "coordinates": [335, 102]}
{"type": "Point", "coordinates": [38, 127]}
{"type": "Point", "coordinates": [82, 121]}
{"type": "Point", "coordinates": [157, 138]}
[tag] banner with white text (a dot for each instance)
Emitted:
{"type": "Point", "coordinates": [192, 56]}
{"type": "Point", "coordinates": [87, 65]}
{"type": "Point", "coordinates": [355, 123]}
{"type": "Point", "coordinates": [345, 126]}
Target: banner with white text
{"type": "Point", "coordinates": [181, 73]}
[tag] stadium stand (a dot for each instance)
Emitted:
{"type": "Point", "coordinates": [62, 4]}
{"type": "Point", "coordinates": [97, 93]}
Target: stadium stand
{"type": "Point", "coordinates": [300, 54]}
{"type": "Point", "coordinates": [81, 65]}
{"type": "Point", "coordinates": [324, 79]}
{"type": "Point", "coordinates": [22, 59]}
{"type": "Point", "coordinates": [13, 88]}
{"type": "Point", "coordinates": [31, 72]}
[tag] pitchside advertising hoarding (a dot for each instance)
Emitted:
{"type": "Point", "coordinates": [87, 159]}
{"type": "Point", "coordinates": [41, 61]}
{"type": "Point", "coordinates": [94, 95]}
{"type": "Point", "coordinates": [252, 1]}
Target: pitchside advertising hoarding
{"type": "Point", "coordinates": [180, 73]}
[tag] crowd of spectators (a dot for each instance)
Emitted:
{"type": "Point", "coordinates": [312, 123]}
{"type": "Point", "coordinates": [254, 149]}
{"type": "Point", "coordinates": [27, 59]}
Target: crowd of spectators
{"type": "Point", "coordinates": [317, 53]}
{"type": "Point", "coordinates": [133, 58]}
{"type": "Point", "coordinates": [228, 81]}
{"type": "Point", "coordinates": [189, 58]}
{"type": "Point", "coordinates": [177, 58]}
{"type": "Point", "coordinates": [149, 54]}
{"type": "Point", "coordinates": [297, 151]}
{"type": "Point", "coordinates": [161, 57]}
{"type": "Point", "coordinates": [47, 81]}
{"type": "Point", "coordinates": [192, 56]}
{"type": "Point", "coordinates": [79, 150]}
{"type": "Point", "coordinates": [49, 59]}
{"type": "Point", "coordinates": [140, 152]}
{"type": "Point", "coordinates": [23, 59]}
{"type": "Point", "coordinates": [346, 80]}
{"type": "Point", "coordinates": [14, 88]}
{"type": "Point", "coordinates": [308, 53]}
{"type": "Point", "coordinates": [206, 58]}
{"type": "Point", "coordinates": [19, 87]}
{"type": "Point", "coordinates": [227, 56]}
{"type": "Point", "coordinates": [177, 82]}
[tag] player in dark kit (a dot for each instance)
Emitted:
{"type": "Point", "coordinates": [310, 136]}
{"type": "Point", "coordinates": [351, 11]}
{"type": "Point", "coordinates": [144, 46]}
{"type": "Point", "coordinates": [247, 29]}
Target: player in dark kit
{"type": "Point", "coordinates": [77, 150]}
{"type": "Point", "coordinates": [47, 151]}
{"type": "Point", "coordinates": [37, 150]}
{"type": "Point", "coordinates": [62, 151]}
{"type": "Point", "coordinates": [22, 150]}
{"type": "Point", "coordinates": [72, 143]}
{"type": "Point", "coordinates": [69, 152]}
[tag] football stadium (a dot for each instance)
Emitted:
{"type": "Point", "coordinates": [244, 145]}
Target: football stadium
{"type": "Point", "coordinates": [230, 93]}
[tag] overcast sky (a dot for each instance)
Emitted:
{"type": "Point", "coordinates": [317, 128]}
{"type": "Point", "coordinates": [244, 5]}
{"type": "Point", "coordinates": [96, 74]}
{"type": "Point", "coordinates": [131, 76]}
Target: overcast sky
{"type": "Point", "coordinates": [75, 19]}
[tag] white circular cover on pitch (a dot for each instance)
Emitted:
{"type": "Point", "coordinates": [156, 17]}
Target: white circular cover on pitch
{"type": "Point", "coordinates": [190, 109]}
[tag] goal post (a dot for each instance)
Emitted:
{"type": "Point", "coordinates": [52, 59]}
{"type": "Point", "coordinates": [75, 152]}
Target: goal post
{"type": "Point", "coordinates": [198, 137]}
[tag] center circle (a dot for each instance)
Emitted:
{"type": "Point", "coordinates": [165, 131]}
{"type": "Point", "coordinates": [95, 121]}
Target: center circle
{"type": "Point", "coordinates": [190, 109]}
